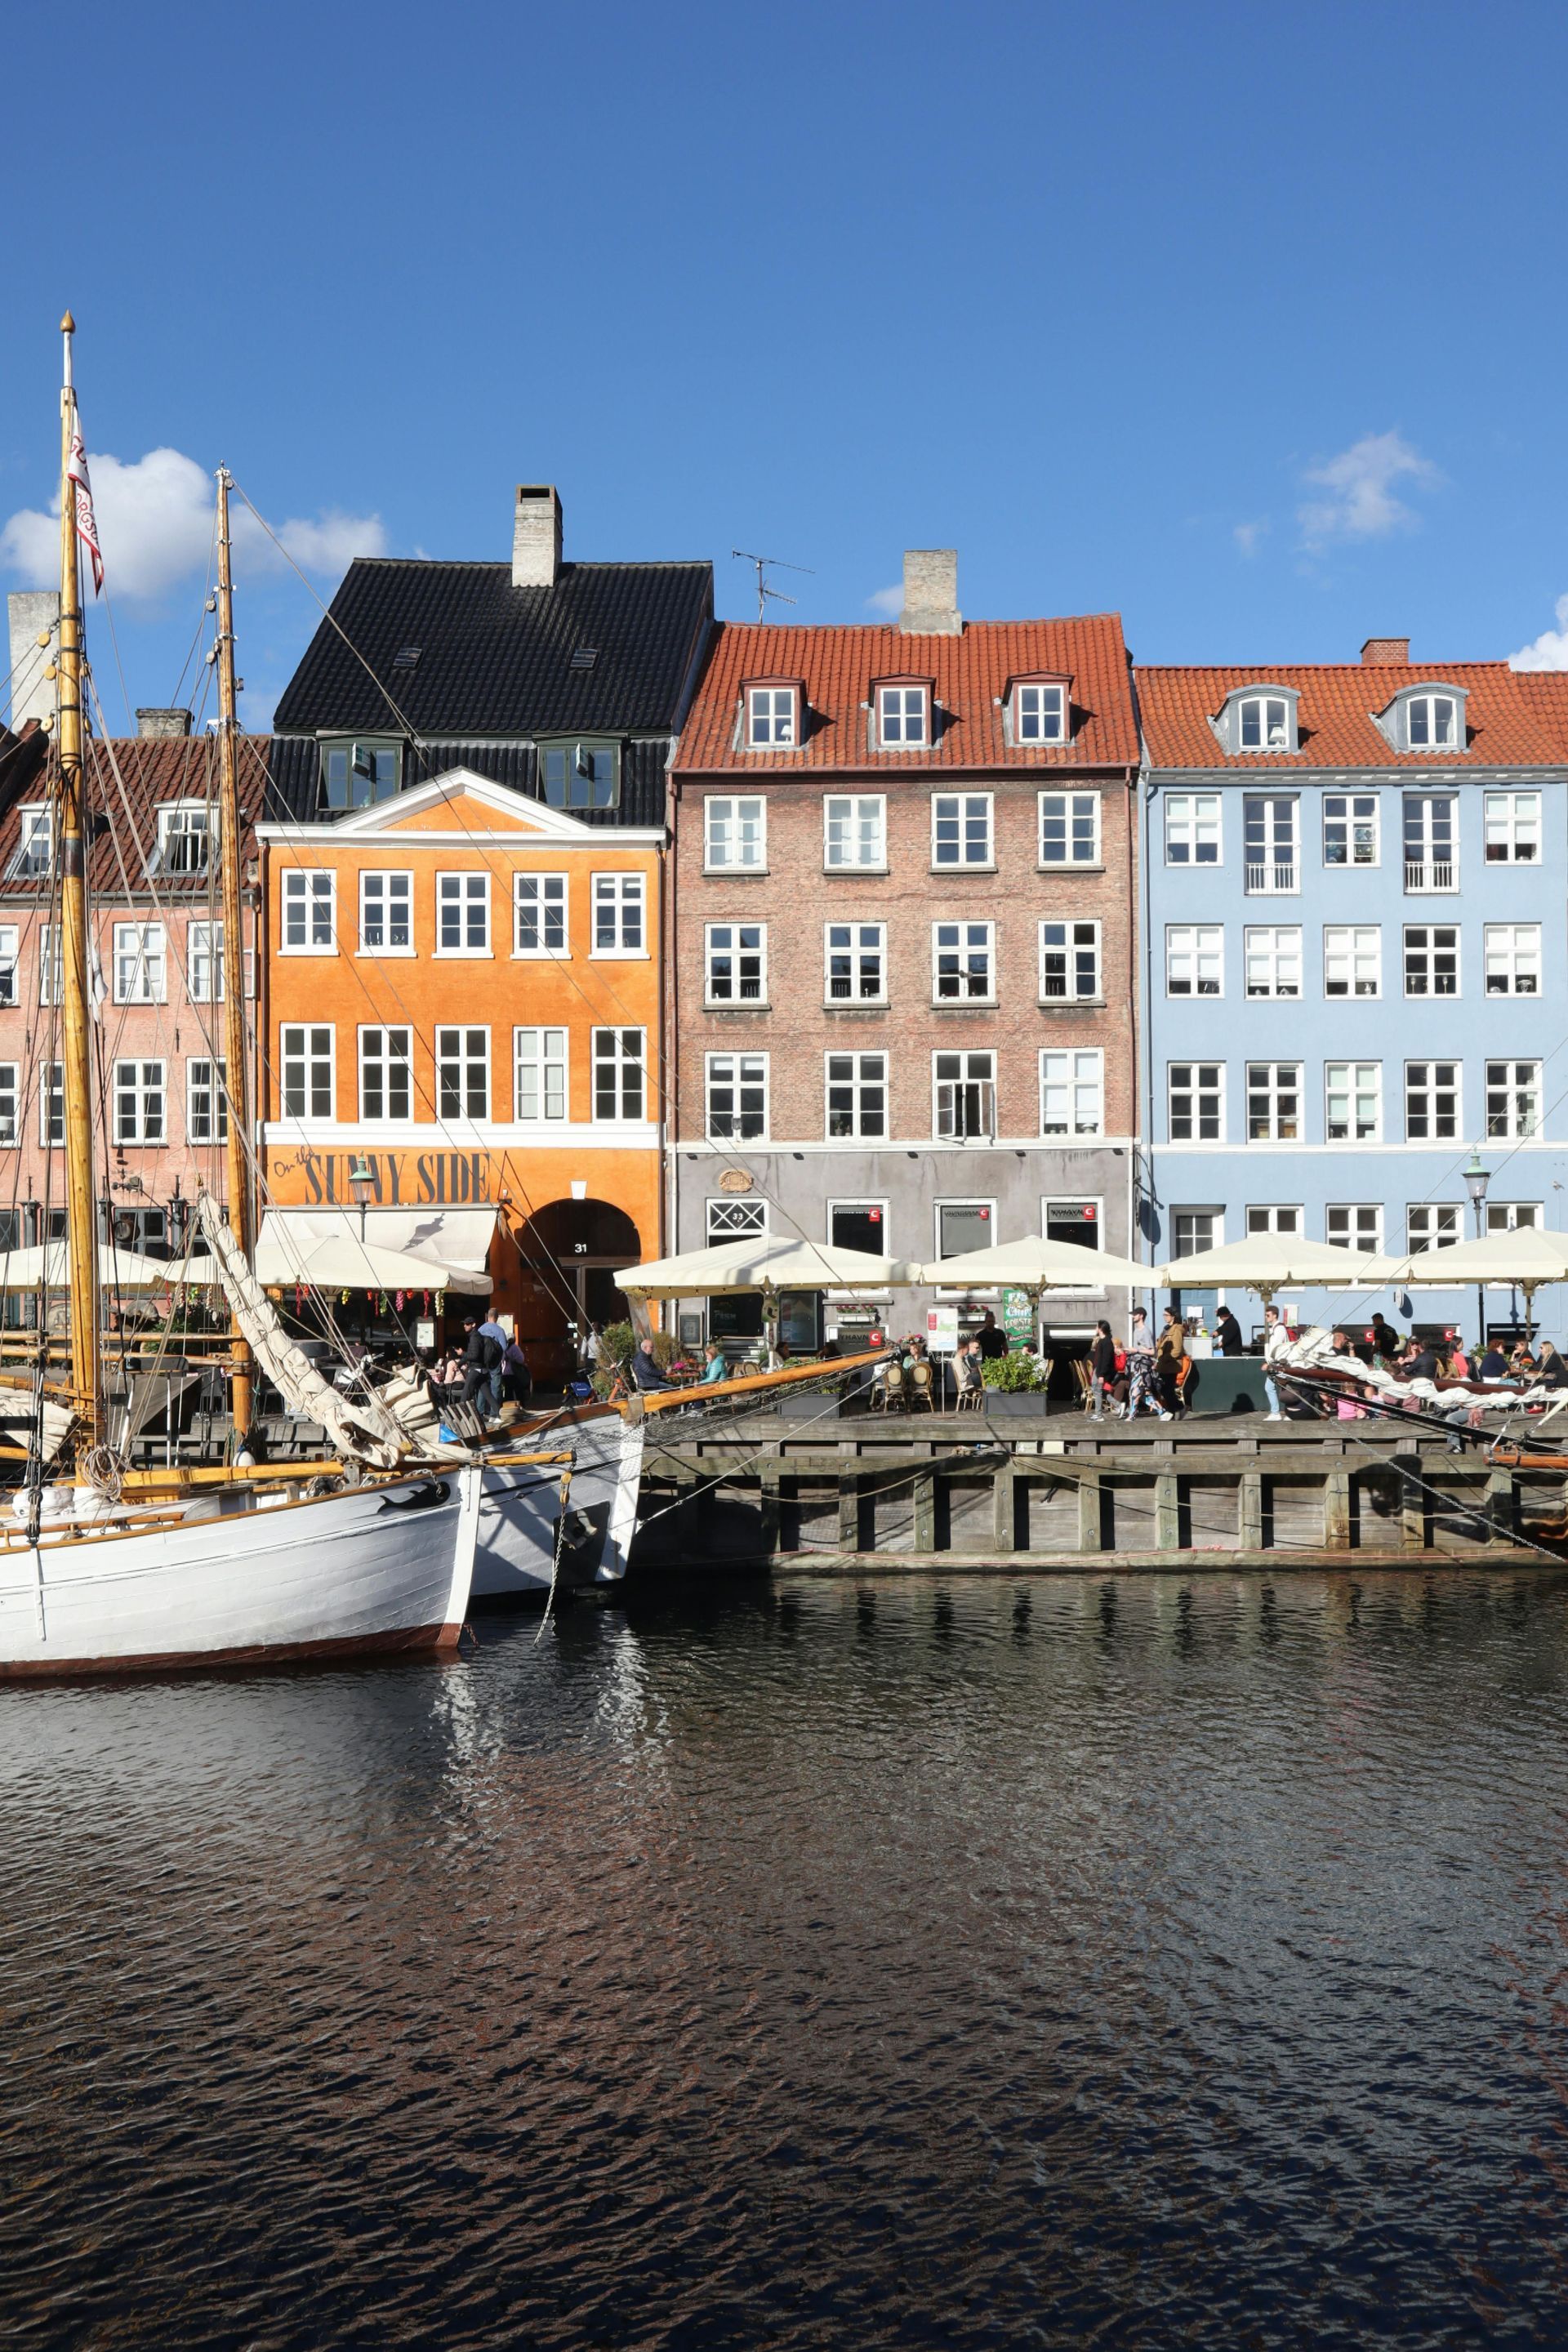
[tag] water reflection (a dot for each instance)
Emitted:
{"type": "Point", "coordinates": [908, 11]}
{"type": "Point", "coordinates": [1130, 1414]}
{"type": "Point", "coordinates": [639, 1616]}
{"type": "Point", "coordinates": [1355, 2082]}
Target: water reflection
{"type": "Point", "coordinates": [1145, 1960]}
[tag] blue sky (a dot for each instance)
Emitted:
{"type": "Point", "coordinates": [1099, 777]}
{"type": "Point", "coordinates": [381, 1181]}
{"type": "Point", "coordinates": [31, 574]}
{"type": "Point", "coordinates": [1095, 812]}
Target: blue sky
{"type": "Point", "coordinates": [1246, 321]}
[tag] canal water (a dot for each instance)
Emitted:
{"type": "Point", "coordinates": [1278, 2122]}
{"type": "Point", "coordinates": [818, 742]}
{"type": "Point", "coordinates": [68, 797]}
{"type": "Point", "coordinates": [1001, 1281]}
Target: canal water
{"type": "Point", "coordinates": [969, 1961]}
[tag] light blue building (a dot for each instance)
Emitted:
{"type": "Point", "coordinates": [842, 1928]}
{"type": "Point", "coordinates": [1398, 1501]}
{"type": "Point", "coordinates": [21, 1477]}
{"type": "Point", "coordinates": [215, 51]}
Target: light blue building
{"type": "Point", "coordinates": [1354, 885]}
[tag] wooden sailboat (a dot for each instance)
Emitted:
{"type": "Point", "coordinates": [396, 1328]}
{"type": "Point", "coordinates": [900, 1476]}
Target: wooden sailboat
{"type": "Point", "coordinates": [98, 1572]}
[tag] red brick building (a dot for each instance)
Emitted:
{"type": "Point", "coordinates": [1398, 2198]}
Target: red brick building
{"type": "Point", "coordinates": [902, 936]}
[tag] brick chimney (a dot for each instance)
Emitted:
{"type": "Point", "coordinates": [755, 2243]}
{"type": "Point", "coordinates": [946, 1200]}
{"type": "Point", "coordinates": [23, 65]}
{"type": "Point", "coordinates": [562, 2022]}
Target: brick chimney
{"type": "Point", "coordinates": [536, 536]}
{"type": "Point", "coordinates": [33, 613]}
{"type": "Point", "coordinates": [930, 592]}
{"type": "Point", "coordinates": [1386, 653]}
{"type": "Point", "coordinates": [162, 725]}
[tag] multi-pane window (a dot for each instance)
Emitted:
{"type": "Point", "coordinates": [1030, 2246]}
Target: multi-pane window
{"type": "Point", "coordinates": [9, 1129]}
{"type": "Point", "coordinates": [770, 718]}
{"type": "Point", "coordinates": [857, 1094]}
{"type": "Point", "coordinates": [355, 775]}
{"type": "Point", "coordinates": [1191, 829]}
{"type": "Point", "coordinates": [1268, 823]}
{"type": "Point", "coordinates": [854, 831]}
{"type": "Point", "coordinates": [1352, 960]}
{"type": "Point", "coordinates": [10, 944]}
{"type": "Point", "coordinates": [965, 1090]}
{"type": "Point", "coordinates": [1039, 714]}
{"type": "Point", "coordinates": [1353, 1101]}
{"type": "Point", "coordinates": [1432, 722]}
{"type": "Point", "coordinates": [901, 715]}
{"type": "Point", "coordinates": [1192, 1230]}
{"type": "Point", "coordinates": [1431, 960]}
{"type": "Point", "coordinates": [1431, 841]}
{"type": "Point", "coordinates": [857, 962]}
{"type": "Point", "coordinates": [1274, 1218]}
{"type": "Point", "coordinates": [539, 907]}
{"type": "Point", "coordinates": [1356, 1226]}
{"type": "Point", "coordinates": [307, 1059]}
{"type": "Point", "coordinates": [1194, 958]}
{"type": "Point", "coordinates": [1431, 1102]}
{"type": "Point", "coordinates": [580, 775]}
{"type": "Point", "coordinates": [538, 1073]}
{"type": "Point", "coordinates": [1069, 829]}
{"type": "Point", "coordinates": [964, 962]}
{"type": "Point", "coordinates": [1431, 1225]}
{"type": "Point", "coordinates": [1513, 1216]}
{"type": "Point", "coordinates": [620, 1073]}
{"type": "Point", "coordinates": [204, 963]}
{"type": "Point", "coordinates": [1069, 962]}
{"type": "Point", "coordinates": [139, 1103]}
{"type": "Point", "coordinates": [735, 964]}
{"type": "Point", "coordinates": [1273, 953]}
{"type": "Point", "coordinates": [309, 911]}
{"type": "Point", "coordinates": [386, 913]}
{"type": "Point", "coordinates": [1513, 828]}
{"type": "Point", "coordinates": [1513, 959]}
{"type": "Point", "coordinates": [1072, 1092]}
{"type": "Point", "coordinates": [385, 1074]}
{"type": "Point", "coordinates": [1264, 723]}
{"type": "Point", "coordinates": [619, 928]}
{"type": "Point", "coordinates": [52, 1102]}
{"type": "Point", "coordinates": [961, 829]}
{"type": "Point", "coordinates": [1196, 1096]}
{"type": "Point", "coordinates": [184, 837]}
{"type": "Point", "coordinates": [1513, 1099]}
{"type": "Point", "coordinates": [206, 1101]}
{"type": "Point", "coordinates": [51, 964]}
{"type": "Point", "coordinates": [736, 1221]}
{"type": "Point", "coordinates": [1350, 829]}
{"type": "Point", "coordinates": [1274, 1102]}
{"type": "Point", "coordinates": [463, 1073]}
{"type": "Point", "coordinates": [141, 964]}
{"type": "Point", "coordinates": [734, 834]}
{"type": "Point", "coordinates": [35, 853]}
{"type": "Point", "coordinates": [737, 1090]}
{"type": "Point", "coordinates": [462, 914]}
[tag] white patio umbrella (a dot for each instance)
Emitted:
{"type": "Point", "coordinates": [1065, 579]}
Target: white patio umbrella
{"type": "Point", "coordinates": [1524, 1259]}
{"type": "Point", "coordinates": [768, 1265]}
{"type": "Point", "coordinates": [1266, 1263]}
{"type": "Point", "coordinates": [118, 1269]}
{"type": "Point", "coordinates": [1033, 1263]}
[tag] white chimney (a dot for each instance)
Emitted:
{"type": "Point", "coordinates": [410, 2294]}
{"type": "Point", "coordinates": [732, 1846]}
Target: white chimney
{"type": "Point", "coordinates": [33, 612]}
{"type": "Point", "coordinates": [536, 536]}
{"type": "Point", "coordinates": [930, 592]}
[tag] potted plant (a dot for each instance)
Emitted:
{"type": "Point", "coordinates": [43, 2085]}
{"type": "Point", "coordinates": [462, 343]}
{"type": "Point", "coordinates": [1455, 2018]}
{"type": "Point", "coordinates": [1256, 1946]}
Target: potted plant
{"type": "Point", "coordinates": [1014, 1383]}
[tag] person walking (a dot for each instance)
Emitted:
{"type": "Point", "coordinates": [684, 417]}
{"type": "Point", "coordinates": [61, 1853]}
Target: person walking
{"type": "Point", "coordinates": [500, 1339]}
{"type": "Point", "coordinates": [1169, 1357]}
{"type": "Point", "coordinates": [1384, 1338]}
{"type": "Point", "coordinates": [1102, 1371]}
{"type": "Point", "coordinates": [1139, 1366]}
{"type": "Point", "coordinates": [1275, 1340]}
{"type": "Point", "coordinates": [481, 1360]}
{"type": "Point", "coordinates": [517, 1381]}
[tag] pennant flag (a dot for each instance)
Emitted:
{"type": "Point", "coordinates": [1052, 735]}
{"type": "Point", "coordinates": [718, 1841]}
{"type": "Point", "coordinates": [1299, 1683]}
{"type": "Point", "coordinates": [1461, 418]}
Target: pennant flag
{"type": "Point", "coordinates": [86, 521]}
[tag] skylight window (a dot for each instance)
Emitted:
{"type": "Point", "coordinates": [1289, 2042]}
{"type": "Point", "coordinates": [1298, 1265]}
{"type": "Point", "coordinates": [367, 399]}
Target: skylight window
{"type": "Point", "coordinates": [406, 657]}
{"type": "Point", "coordinates": [584, 657]}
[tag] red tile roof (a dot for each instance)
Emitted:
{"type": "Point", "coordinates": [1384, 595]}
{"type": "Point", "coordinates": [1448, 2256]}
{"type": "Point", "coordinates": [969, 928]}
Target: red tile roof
{"type": "Point", "coordinates": [151, 771]}
{"type": "Point", "coordinates": [969, 673]}
{"type": "Point", "coordinates": [1516, 719]}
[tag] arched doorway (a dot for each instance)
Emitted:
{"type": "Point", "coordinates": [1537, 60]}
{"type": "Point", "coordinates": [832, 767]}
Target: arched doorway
{"type": "Point", "coordinates": [570, 1253]}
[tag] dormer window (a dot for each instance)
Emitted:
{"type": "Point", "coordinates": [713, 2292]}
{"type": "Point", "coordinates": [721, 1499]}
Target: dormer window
{"type": "Point", "coordinates": [356, 774]}
{"type": "Point", "coordinates": [1432, 722]}
{"type": "Point", "coordinates": [185, 831]}
{"type": "Point", "coordinates": [35, 853]}
{"type": "Point", "coordinates": [1039, 713]}
{"type": "Point", "coordinates": [903, 718]}
{"type": "Point", "coordinates": [1258, 721]}
{"type": "Point", "coordinates": [772, 718]}
{"type": "Point", "coordinates": [580, 775]}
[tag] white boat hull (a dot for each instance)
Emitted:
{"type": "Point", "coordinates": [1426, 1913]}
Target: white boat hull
{"type": "Point", "coordinates": [374, 1567]}
{"type": "Point", "coordinates": [520, 1512]}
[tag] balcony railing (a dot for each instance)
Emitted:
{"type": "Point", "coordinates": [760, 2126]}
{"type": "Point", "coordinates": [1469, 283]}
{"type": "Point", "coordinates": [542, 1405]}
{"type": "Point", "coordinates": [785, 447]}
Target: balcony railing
{"type": "Point", "coordinates": [1273, 879]}
{"type": "Point", "coordinates": [1438, 874]}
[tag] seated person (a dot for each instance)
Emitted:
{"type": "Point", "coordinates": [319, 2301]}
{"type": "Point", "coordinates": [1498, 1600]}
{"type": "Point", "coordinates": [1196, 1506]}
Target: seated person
{"type": "Point", "coordinates": [1493, 1364]}
{"type": "Point", "coordinates": [971, 1367]}
{"type": "Point", "coordinates": [644, 1368]}
{"type": "Point", "coordinates": [715, 1368]}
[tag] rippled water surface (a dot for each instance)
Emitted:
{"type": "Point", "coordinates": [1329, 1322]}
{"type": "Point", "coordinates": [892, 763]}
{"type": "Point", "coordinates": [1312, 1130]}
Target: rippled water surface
{"type": "Point", "coordinates": [960, 1962]}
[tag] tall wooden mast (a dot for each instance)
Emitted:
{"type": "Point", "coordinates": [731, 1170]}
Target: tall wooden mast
{"type": "Point", "coordinates": [234, 1087]}
{"type": "Point", "coordinates": [76, 1073]}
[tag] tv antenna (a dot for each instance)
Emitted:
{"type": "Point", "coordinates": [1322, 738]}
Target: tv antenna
{"type": "Point", "coordinates": [763, 591]}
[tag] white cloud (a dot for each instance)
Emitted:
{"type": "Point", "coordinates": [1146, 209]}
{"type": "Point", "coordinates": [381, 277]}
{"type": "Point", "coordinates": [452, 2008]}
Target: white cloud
{"type": "Point", "coordinates": [1360, 481]}
{"type": "Point", "coordinates": [1248, 534]}
{"type": "Point", "coordinates": [1550, 649]}
{"type": "Point", "coordinates": [890, 601]}
{"type": "Point", "coordinates": [155, 525]}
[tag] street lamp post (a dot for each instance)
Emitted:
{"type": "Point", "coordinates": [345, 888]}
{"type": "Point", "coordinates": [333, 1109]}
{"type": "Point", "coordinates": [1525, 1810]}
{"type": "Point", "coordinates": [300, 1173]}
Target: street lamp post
{"type": "Point", "coordinates": [361, 1184]}
{"type": "Point", "coordinates": [1477, 1179]}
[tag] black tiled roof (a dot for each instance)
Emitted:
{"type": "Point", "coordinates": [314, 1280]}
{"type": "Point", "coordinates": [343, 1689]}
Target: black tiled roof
{"type": "Point", "coordinates": [497, 661]}
{"type": "Point", "coordinates": [294, 793]}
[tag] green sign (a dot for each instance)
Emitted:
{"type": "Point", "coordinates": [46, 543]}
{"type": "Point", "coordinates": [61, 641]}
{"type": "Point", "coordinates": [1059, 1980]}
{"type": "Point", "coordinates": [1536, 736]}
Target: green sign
{"type": "Point", "coordinates": [1017, 1315]}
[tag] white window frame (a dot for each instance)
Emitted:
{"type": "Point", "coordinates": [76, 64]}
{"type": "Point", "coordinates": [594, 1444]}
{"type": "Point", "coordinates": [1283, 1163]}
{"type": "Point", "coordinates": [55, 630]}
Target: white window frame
{"type": "Point", "coordinates": [726, 820]}
{"type": "Point", "coordinates": [10, 955]}
{"type": "Point", "coordinates": [141, 1090]}
{"type": "Point", "coordinates": [1194, 951]}
{"type": "Point", "coordinates": [307, 899]}
{"type": "Point", "coordinates": [309, 1058]}
{"type": "Point", "coordinates": [742, 1217]}
{"type": "Point", "coordinates": [1268, 738]}
{"type": "Point", "coordinates": [903, 716]}
{"type": "Point", "coordinates": [472, 890]}
{"type": "Point", "coordinates": [727, 939]}
{"type": "Point", "coordinates": [964, 812]}
{"type": "Point", "coordinates": [624, 894]}
{"type": "Point", "coordinates": [205, 974]}
{"type": "Point", "coordinates": [1510, 822]}
{"type": "Point", "coordinates": [969, 1076]}
{"type": "Point", "coordinates": [214, 1084]}
{"type": "Point", "coordinates": [1194, 821]}
{"type": "Point", "coordinates": [741, 1073]}
{"type": "Point", "coordinates": [1359, 1244]}
{"type": "Point", "coordinates": [857, 946]}
{"type": "Point", "coordinates": [1274, 1081]}
{"type": "Point", "coordinates": [1515, 1217]}
{"type": "Point", "coordinates": [550, 1061]}
{"type": "Point", "coordinates": [189, 821]}
{"type": "Point", "coordinates": [1428, 704]}
{"type": "Point", "coordinates": [1079, 949]}
{"type": "Point", "coordinates": [1272, 876]}
{"type": "Point", "coordinates": [618, 1056]}
{"type": "Point", "coordinates": [1514, 1102]}
{"type": "Point", "coordinates": [1077, 810]}
{"type": "Point", "coordinates": [51, 964]}
{"type": "Point", "coordinates": [462, 1056]}
{"type": "Point", "coordinates": [51, 1105]}
{"type": "Point", "coordinates": [1512, 955]}
{"type": "Point", "coordinates": [1431, 1087]}
{"type": "Point", "coordinates": [859, 821]}
{"type": "Point", "coordinates": [140, 953]}
{"type": "Point", "coordinates": [772, 718]}
{"type": "Point", "coordinates": [1278, 1218]}
{"type": "Point", "coordinates": [1094, 1285]}
{"type": "Point", "coordinates": [1429, 875]}
{"type": "Point", "coordinates": [1347, 1084]}
{"type": "Point", "coordinates": [859, 1200]}
{"type": "Point", "coordinates": [867, 1076]}
{"type": "Point", "coordinates": [1194, 1091]}
{"type": "Point", "coordinates": [1037, 720]}
{"type": "Point", "coordinates": [960, 943]}
{"type": "Point", "coordinates": [987, 1209]}
{"type": "Point", "coordinates": [385, 877]}
{"type": "Point", "coordinates": [1352, 960]}
{"type": "Point", "coordinates": [1269, 947]}
{"type": "Point", "coordinates": [1371, 816]}
{"type": "Point", "coordinates": [1431, 1225]}
{"type": "Point", "coordinates": [1193, 1243]}
{"type": "Point", "coordinates": [1072, 1081]}
{"type": "Point", "coordinates": [1430, 952]}
{"type": "Point", "coordinates": [389, 1060]}
{"type": "Point", "coordinates": [35, 854]}
{"type": "Point", "coordinates": [549, 895]}
{"type": "Point", "coordinates": [10, 1106]}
